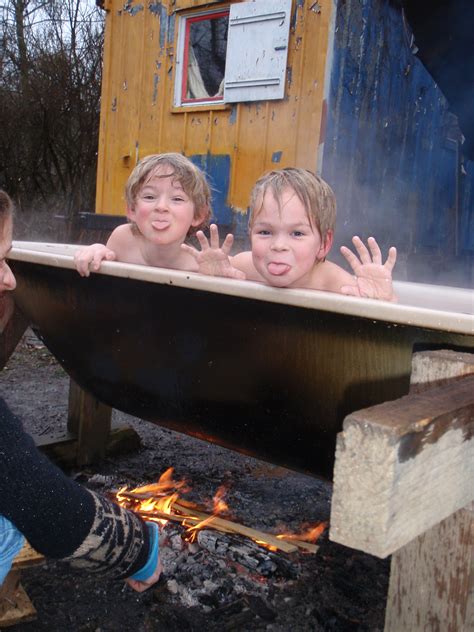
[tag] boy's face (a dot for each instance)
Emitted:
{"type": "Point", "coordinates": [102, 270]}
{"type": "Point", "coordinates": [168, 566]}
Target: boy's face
{"type": "Point", "coordinates": [163, 212]}
{"type": "Point", "coordinates": [285, 245]}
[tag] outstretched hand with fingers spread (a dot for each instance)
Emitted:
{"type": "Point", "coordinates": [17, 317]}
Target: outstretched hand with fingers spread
{"type": "Point", "coordinates": [373, 279]}
{"type": "Point", "coordinates": [213, 259]}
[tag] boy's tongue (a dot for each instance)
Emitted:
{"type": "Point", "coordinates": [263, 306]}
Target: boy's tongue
{"type": "Point", "coordinates": [160, 224]}
{"type": "Point", "coordinates": [277, 269]}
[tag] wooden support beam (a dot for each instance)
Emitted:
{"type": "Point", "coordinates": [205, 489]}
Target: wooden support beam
{"type": "Point", "coordinates": [90, 420]}
{"type": "Point", "coordinates": [62, 447]}
{"type": "Point", "coordinates": [434, 368]}
{"type": "Point", "coordinates": [431, 580]}
{"type": "Point", "coordinates": [403, 477]}
{"type": "Point", "coordinates": [402, 467]}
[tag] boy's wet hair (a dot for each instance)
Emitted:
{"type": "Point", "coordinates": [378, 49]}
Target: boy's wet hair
{"type": "Point", "coordinates": [6, 206]}
{"type": "Point", "coordinates": [191, 178]}
{"type": "Point", "coordinates": [314, 193]}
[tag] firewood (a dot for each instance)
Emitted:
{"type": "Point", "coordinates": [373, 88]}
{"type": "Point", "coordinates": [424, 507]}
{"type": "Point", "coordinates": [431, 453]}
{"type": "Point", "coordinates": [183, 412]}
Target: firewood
{"type": "Point", "coordinates": [248, 554]}
{"type": "Point", "coordinates": [253, 534]}
{"type": "Point", "coordinates": [301, 544]}
{"type": "Point", "coordinates": [192, 514]}
{"type": "Point", "coordinates": [225, 526]}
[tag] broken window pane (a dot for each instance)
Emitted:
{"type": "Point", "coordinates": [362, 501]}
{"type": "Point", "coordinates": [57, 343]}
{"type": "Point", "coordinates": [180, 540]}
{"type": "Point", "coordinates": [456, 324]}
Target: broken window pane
{"type": "Point", "coordinates": [206, 53]}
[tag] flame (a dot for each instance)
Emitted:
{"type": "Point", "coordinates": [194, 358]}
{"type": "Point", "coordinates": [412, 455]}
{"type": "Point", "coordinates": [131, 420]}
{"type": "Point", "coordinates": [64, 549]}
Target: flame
{"type": "Point", "coordinates": [164, 484]}
{"type": "Point", "coordinates": [160, 502]}
{"type": "Point", "coordinates": [270, 547]}
{"type": "Point", "coordinates": [311, 535]}
{"type": "Point", "coordinates": [220, 506]}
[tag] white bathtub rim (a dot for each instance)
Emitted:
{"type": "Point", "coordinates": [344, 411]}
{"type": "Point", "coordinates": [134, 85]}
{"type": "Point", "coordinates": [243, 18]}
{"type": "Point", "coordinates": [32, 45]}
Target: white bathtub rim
{"type": "Point", "coordinates": [62, 256]}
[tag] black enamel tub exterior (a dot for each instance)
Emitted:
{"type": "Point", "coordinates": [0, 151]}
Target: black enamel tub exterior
{"type": "Point", "coordinates": [264, 371]}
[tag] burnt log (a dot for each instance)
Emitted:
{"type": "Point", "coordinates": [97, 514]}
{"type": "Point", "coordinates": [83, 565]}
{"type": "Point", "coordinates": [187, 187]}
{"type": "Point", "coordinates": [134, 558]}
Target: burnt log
{"type": "Point", "coordinates": [247, 554]}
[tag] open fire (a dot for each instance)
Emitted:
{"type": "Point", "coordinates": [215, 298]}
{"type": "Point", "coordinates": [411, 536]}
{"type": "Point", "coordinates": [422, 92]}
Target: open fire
{"type": "Point", "coordinates": [161, 502]}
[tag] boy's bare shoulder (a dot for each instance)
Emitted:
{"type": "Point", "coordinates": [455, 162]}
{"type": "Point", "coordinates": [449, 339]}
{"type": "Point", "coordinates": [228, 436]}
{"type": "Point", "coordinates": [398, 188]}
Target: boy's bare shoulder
{"type": "Point", "coordinates": [124, 243]}
{"type": "Point", "coordinates": [330, 277]}
{"type": "Point", "coordinates": [123, 231]}
{"type": "Point", "coordinates": [243, 261]}
{"type": "Point", "coordinates": [121, 237]}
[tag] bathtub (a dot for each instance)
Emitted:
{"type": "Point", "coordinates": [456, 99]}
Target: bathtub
{"type": "Point", "coordinates": [265, 371]}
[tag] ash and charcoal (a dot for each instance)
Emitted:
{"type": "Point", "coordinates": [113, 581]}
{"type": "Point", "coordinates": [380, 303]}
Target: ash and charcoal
{"type": "Point", "coordinates": [205, 586]}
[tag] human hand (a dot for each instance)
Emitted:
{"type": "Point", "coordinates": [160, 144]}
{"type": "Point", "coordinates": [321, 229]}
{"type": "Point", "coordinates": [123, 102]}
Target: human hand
{"type": "Point", "coordinates": [213, 259]}
{"type": "Point", "coordinates": [150, 573]}
{"type": "Point", "coordinates": [90, 257]}
{"type": "Point", "coordinates": [142, 585]}
{"type": "Point", "coordinates": [373, 279]}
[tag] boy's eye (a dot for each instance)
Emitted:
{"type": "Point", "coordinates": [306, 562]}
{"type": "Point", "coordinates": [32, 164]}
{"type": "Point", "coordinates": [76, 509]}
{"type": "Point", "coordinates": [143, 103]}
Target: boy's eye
{"type": "Point", "coordinates": [263, 231]}
{"type": "Point", "coordinates": [297, 233]}
{"type": "Point", "coordinates": [178, 199]}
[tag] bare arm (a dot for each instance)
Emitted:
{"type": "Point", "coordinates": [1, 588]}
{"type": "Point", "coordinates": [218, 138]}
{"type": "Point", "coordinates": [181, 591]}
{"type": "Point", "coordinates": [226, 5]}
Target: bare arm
{"type": "Point", "coordinates": [118, 248]}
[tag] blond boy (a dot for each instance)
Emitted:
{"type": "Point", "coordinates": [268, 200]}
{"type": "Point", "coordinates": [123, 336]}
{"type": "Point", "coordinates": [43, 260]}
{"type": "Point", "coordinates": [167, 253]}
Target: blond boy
{"type": "Point", "coordinates": [291, 225]}
{"type": "Point", "coordinates": [168, 199]}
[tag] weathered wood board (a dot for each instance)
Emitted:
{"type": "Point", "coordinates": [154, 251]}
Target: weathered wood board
{"type": "Point", "coordinates": [15, 605]}
{"type": "Point", "coordinates": [402, 467]}
{"type": "Point", "coordinates": [431, 579]}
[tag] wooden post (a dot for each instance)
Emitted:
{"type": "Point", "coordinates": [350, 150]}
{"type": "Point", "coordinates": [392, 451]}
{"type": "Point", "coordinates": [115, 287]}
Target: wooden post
{"type": "Point", "coordinates": [431, 578]}
{"type": "Point", "coordinates": [90, 435]}
{"type": "Point", "coordinates": [90, 420]}
{"type": "Point", "coordinates": [402, 481]}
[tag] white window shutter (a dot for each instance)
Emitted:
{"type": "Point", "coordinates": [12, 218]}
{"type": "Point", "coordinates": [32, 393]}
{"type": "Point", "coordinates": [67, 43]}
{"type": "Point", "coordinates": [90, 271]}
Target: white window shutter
{"type": "Point", "coordinates": [257, 50]}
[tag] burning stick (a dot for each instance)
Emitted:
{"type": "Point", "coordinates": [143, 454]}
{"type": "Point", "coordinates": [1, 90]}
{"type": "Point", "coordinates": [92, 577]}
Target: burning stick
{"type": "Point", "coordinates": [159, 502]}
{"type": "Point", "coordinates": [219, 524]}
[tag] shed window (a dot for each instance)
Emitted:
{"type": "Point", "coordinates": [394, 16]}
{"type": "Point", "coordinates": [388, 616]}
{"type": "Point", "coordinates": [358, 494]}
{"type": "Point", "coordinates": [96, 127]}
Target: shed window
{"type": "Point", "coordinates": [204, 55]}
{"type": "Point", "coordinates": [231, 55]}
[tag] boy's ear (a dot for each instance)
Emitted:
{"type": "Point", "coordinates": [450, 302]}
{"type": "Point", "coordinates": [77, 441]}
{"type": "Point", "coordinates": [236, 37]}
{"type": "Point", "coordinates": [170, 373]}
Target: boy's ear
{"type": "Point", "coordinates": [130, 213]}
{"type": "Point", "coordinates": [327, 245]}
{"type": "Point", "coordinates": [199, 217]}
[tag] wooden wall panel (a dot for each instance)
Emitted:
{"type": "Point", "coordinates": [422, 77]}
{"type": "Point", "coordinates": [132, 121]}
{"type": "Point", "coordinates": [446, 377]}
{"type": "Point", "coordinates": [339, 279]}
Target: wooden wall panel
{"type": "Point", "coordinates": [138, 117]}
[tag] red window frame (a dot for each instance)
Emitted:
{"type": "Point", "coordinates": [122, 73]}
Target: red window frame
{"type": "Point", "coordinates": [184, 83]}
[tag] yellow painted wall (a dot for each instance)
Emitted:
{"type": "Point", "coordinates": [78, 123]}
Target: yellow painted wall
{"type": "Point", "coordinates": [138, 118]}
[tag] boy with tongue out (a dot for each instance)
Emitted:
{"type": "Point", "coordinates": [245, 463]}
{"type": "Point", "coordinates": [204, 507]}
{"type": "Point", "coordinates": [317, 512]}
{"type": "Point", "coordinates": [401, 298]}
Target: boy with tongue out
{"type": "Point", "coordinates": [168, 199]}
{"type": "Point", "coordinates": [291, 225]}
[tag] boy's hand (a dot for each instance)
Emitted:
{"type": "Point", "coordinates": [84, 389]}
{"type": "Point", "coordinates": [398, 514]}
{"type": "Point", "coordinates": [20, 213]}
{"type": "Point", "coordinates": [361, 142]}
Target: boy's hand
{"type": "Point", "coordinates": [212, 259]}
{"type": "Point", "coordinates": [374, 279]}
{"type": "Point", "coordinates": [90, 257]}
